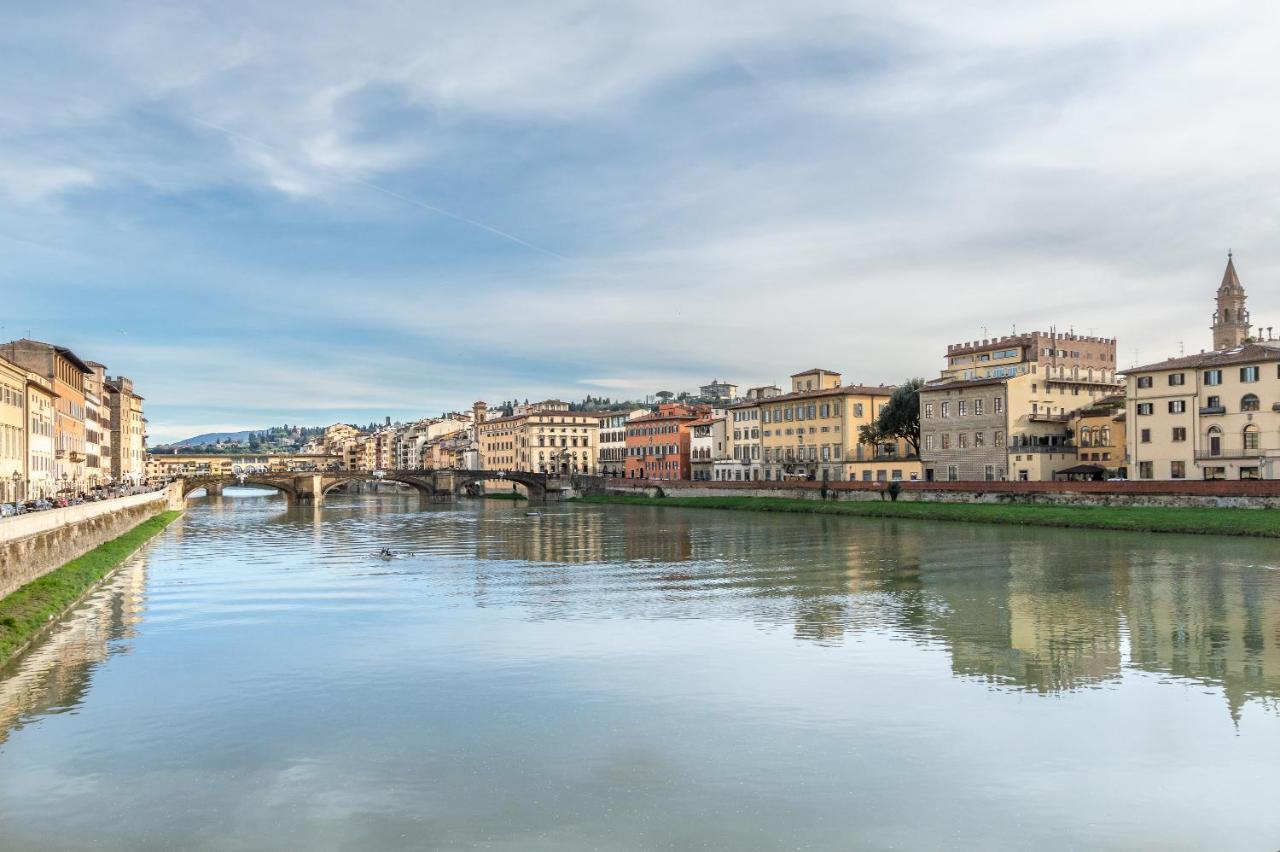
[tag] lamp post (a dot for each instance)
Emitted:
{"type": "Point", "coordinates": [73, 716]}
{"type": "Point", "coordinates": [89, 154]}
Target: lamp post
{"type": "Point", "coordinates": [17, 477]}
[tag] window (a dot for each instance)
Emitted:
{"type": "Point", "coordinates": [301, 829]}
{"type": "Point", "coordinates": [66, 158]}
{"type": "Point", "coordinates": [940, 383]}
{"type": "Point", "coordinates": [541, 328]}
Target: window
{"type": "Point", "coordinates": [997, 439]}
{"type": "Point", "coordinates": [1251, 437]}
{"type": "Point", "coordinates": [1213, 377]}
{"type": "Point", "coordinates": [946, 409]}
{"type": "Point", "coordinates": [1145, 436]}
{"type": "Point", "coordinates": [1213, 402]}
{"type": "Point", "coordinates": [928, 442]}
{"type": "Point", "coordinates": [961, 408]}
{"type": "Point", "coordinates": [997, 405]}
{"type": "Point", "coordinates": [928, 409]}
{"type": "Point", "coordinates": [977, 408]}
{"type": "Point", "coordinates": [1177, 470]}
{"type": "Point", "coordinates": [953, 472]}
{"type": "Point", "coordinates": [962, 441]}
{"type": "Point", "coordinates": [1179, 433]}
{"type": "Point", "coordinates": [1145, 470]}
{"type": "Point", "coordinates": [946, 440]}
{"type": "Point", "coordinates": [979, 439]}
{"type": "Point", "coordinates": [1177, 406]}
{"type": "Point", "coordinates": [1248, 374]}
{"type": "Point", "coordinates": [1145, 408]}
{"type": "Point", "coordinates": [1177, 379]}
{"type": "Point", "coordinates": [1249, 402]}
{"type": "Point", "coordinates": [989, 473]}
{"type": "Point", "coordinates": [1144, 381]}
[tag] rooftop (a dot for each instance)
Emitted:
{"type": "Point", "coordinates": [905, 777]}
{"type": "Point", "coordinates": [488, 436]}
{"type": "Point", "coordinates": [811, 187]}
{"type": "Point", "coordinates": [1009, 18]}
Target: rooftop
{"type": "Point", "coordinates": [1243, 354]}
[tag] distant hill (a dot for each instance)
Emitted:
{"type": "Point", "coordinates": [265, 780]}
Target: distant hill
{"type": "Point", "coordinates": [213, 438]}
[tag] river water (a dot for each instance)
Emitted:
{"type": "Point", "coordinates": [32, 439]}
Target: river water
{"type": "Point", "coordinates": [583, 677]}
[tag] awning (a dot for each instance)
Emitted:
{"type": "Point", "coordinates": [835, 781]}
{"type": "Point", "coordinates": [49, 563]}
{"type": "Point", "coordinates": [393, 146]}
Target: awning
{"type": "Point", "coordinates": [1082, 469]}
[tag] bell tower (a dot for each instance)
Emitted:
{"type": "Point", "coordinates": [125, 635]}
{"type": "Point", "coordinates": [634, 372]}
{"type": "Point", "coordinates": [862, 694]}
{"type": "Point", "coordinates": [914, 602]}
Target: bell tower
{"type": "Point", "coordinates": [1231, 319]}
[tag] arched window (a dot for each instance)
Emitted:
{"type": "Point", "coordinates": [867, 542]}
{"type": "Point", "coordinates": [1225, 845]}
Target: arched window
{"type": "Point", "coordinates": [1104, 436]}
{"type": "Point", "coordinates": [1085, 435]}
{"type": "Point", "coordinates": [1251, 437]}
{"type": "Point", "coordinates": [1249, 402]}
{"type": "Point", "coordinates": [1226, 315]}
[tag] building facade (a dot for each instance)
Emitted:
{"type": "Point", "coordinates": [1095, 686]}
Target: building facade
{"type": "Point", "coordinates": [66, 372]}
{"type": "Point", "coordinates": [128, 430]}
{"type": "Point", "coordinates": [814, 433]}
{"type": "Point", "coordinates": [552, 440]}
{"type": "Point", "coordinates": [13, 431]}
{"type": "Point", "coordinates": [613, 440]}
{"type": "Point", "coordinates": [659, 444]}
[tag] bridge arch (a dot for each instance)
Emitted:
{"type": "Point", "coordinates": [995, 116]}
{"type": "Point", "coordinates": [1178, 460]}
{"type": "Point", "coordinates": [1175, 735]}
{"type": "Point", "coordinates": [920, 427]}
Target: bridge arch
{"type": "Point", "coordinates": [422, 483]}
{"type": "Point", "coordinates": [536, 484]}
{"type": "Point", "coordinates": [193, 484]}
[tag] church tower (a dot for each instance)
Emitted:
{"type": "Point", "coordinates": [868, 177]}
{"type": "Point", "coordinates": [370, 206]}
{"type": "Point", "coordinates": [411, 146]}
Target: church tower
{"type": "Point", "coordinates": [1231, 319]}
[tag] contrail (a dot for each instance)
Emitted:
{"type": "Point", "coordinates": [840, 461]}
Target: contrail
{"type": "Point", "coordinates": [388, 192]}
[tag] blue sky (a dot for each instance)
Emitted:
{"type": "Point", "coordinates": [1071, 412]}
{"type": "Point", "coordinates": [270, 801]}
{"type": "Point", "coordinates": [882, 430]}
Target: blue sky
{"type": "Point", "coordinates": [305, 212]}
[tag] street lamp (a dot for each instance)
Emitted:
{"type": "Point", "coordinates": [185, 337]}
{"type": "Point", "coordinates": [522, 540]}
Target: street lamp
{"type": "Point", "coordinates": [17, 477]}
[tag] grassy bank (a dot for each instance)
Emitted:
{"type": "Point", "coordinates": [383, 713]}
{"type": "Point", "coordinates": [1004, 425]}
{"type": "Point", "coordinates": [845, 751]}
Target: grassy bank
{"type": "Point", "coordinates": [503, 495]}
{"type": "Point", "coordinates": [1245, 522]}
{"type": "Point", "coordinates": [30, 609]}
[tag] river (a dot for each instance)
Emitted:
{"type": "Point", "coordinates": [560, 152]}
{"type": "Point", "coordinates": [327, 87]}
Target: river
{"type": "Point", "coordinates": [606, 677]}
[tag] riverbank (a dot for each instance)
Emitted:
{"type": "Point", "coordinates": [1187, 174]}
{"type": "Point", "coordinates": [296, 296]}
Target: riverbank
{"type": "Point", "coordinates": [1198, 521]}
{"type": "Point", "coordinates": [29, 610]}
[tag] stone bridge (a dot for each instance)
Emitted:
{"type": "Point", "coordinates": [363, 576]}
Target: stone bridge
{"type": "Point", "coordinates": [311, 487]}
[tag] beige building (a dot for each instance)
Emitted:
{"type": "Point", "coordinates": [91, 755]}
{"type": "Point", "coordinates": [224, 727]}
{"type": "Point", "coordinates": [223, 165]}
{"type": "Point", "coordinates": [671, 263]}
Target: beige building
{"type": "Point", "coordinates": [1213, 415]}
{"type": "Point", "coordinates": [539, 439]}
{"type": "Point", "coordinates": [97, 426]}
{"type": "Point", "coordinates": [128, 430]}
{"type": "Point", "coordinates": [171, 466]}
{"type": "Point", "coordinates": [813, 433]}
{"type": "Point", "coordinates": [1098, 431]}
{"type": "Point", "coordinates": [612, 440]}
{"type": "Point", "coordinates": [1002, 407]}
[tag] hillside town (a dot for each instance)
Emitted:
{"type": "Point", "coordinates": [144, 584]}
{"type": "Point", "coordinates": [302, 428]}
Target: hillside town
{"type": "Point", "coordinates": [67, 428]}
{"type": "Point", "coordinates": [1038, 406]}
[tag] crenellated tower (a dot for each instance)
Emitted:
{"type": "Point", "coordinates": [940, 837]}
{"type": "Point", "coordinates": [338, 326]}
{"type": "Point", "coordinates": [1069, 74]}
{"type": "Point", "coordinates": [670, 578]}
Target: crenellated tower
{"type": "Point", "coordinates": [1231, 319]}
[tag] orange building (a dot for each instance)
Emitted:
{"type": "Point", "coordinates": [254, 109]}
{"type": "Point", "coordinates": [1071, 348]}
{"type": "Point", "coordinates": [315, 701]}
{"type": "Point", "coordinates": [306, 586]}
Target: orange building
{"type": "Point", "coordinates": [658, 443]}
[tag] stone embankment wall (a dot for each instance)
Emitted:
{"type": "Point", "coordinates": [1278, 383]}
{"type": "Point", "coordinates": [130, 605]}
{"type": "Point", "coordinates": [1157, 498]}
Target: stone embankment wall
{"type": "Point", "coordinates": [1251, 494]}
{"type": "Point", "coordinates": [35, 544]}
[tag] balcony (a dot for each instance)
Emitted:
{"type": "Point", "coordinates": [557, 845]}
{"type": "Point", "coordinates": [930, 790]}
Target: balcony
{"type": "Point", "coordinates": [1206, 410]}
{"type": "Point", "coordinates": [1040, 448]}
{"type": "Point", "coordinates": [1046, 417]}
{"type": "Point", "coordinates": [1229, 453]}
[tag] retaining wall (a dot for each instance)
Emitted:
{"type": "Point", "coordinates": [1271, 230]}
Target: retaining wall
{"type": "Point", "coordinates": [1251, 494]}
{"type": "Point", "coordinates": [35, 544]}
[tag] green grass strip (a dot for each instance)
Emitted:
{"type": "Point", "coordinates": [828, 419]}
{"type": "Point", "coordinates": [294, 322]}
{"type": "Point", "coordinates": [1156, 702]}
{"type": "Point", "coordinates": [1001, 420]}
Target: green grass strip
{"type": "Point", "coordinates": [503, 495]}
{"type": "Point", "coordinates": [31, 608]}
{"type": "Point", "coordinates": [1197, 521]}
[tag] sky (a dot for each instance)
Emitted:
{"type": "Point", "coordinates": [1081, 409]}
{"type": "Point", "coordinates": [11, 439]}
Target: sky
{"type": "Point", "coordinates": [286, 212]}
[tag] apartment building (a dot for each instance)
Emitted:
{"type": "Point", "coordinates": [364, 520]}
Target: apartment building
{"type": "Point", "coordinates": [1099, 431]}
{"type": "Point", "coordinates": [964, 429]}
{"type": "Point", "coordinates": [708, 447]}
{"type": "Point", "coordinates": [64, 369]}
{"type": "Point", "coordinates": [613, 440]}
{"type": "Point", "coordinates": [659, 444]}
{"type": "Point", "coordinates": [1082, 357]}
{"type": "Point", "coordinates": [13, 430]}
{"type": "Point", "coordinates": [128, 430]}
{"type": "Point", "coordinates": [813, 433]}
{"type": "Point", "coordinates": [41, 417]}
{"type": "Point", "coordinates": [97, 426]}
{"type": "Point", "coordinates": [540, 438]}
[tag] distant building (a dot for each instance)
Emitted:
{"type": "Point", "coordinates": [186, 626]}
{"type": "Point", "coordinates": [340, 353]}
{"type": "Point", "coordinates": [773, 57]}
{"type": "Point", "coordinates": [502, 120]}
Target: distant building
{"type": "Point", "coordinates": [612, 446]}
{"type": "Point", "coordinates": [718, 391]}
{"type": "Point", "coordinates": [64, 369]}
{"type": "Point", "coordinates": [658, 444]}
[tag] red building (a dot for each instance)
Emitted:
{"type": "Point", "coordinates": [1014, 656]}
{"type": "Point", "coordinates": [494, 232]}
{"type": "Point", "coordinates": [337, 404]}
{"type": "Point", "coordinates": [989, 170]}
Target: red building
{"type": "Point", "coordinates": [658, 443]}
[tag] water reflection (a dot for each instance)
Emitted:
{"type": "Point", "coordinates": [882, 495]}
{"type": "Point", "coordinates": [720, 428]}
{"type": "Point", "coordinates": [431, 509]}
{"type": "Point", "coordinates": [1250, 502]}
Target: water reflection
{"type": "Point", "coordinates": [563, 676]}
{"type": "Point", "coordinates": [54, 676]}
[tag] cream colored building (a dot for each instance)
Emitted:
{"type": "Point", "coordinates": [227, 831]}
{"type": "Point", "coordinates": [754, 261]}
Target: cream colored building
{"type": "Point", "coordinates": [97, 426]}
{"type": "Point", "coordinates": [813, 433]}
{"type": "Point", "coordinates": [538, 440]}
{"type": "Point", "coordinates": [41, 419]}
{"type": "Point", "coordinates": [1213, 415]}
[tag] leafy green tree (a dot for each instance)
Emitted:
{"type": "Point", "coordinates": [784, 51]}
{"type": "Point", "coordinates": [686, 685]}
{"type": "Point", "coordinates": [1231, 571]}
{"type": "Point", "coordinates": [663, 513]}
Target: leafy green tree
{"type": "Point", "coordinates": [900, 418]}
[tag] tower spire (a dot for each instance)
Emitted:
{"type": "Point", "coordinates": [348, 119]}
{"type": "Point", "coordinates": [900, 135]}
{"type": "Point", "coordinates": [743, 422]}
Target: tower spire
{"type": "Point", "coordinates": [1231, 319]}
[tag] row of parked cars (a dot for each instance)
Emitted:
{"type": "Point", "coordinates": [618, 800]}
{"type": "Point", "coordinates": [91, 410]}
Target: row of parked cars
{"type": "Point", "coordinates": [61, 501]}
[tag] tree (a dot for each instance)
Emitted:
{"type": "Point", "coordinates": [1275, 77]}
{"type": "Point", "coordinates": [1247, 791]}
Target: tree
{"type": "Point", "coordinates": [900, 418]}
{"type": "Point", "coordinates": [664, 395]}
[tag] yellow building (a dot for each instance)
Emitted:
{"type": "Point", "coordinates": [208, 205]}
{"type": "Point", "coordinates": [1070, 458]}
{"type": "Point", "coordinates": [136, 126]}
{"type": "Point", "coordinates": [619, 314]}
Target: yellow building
{"type": "Point", "coordinates": [1098, 431]}
{"type": "Point", "coordinates": [167, 466]}
{"type": "Point", "coordinates": [13, 430]}
{"type": "Point", "coordinates": [64, 369]}
{"type": "Point", "coordinates": [812, 433]}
